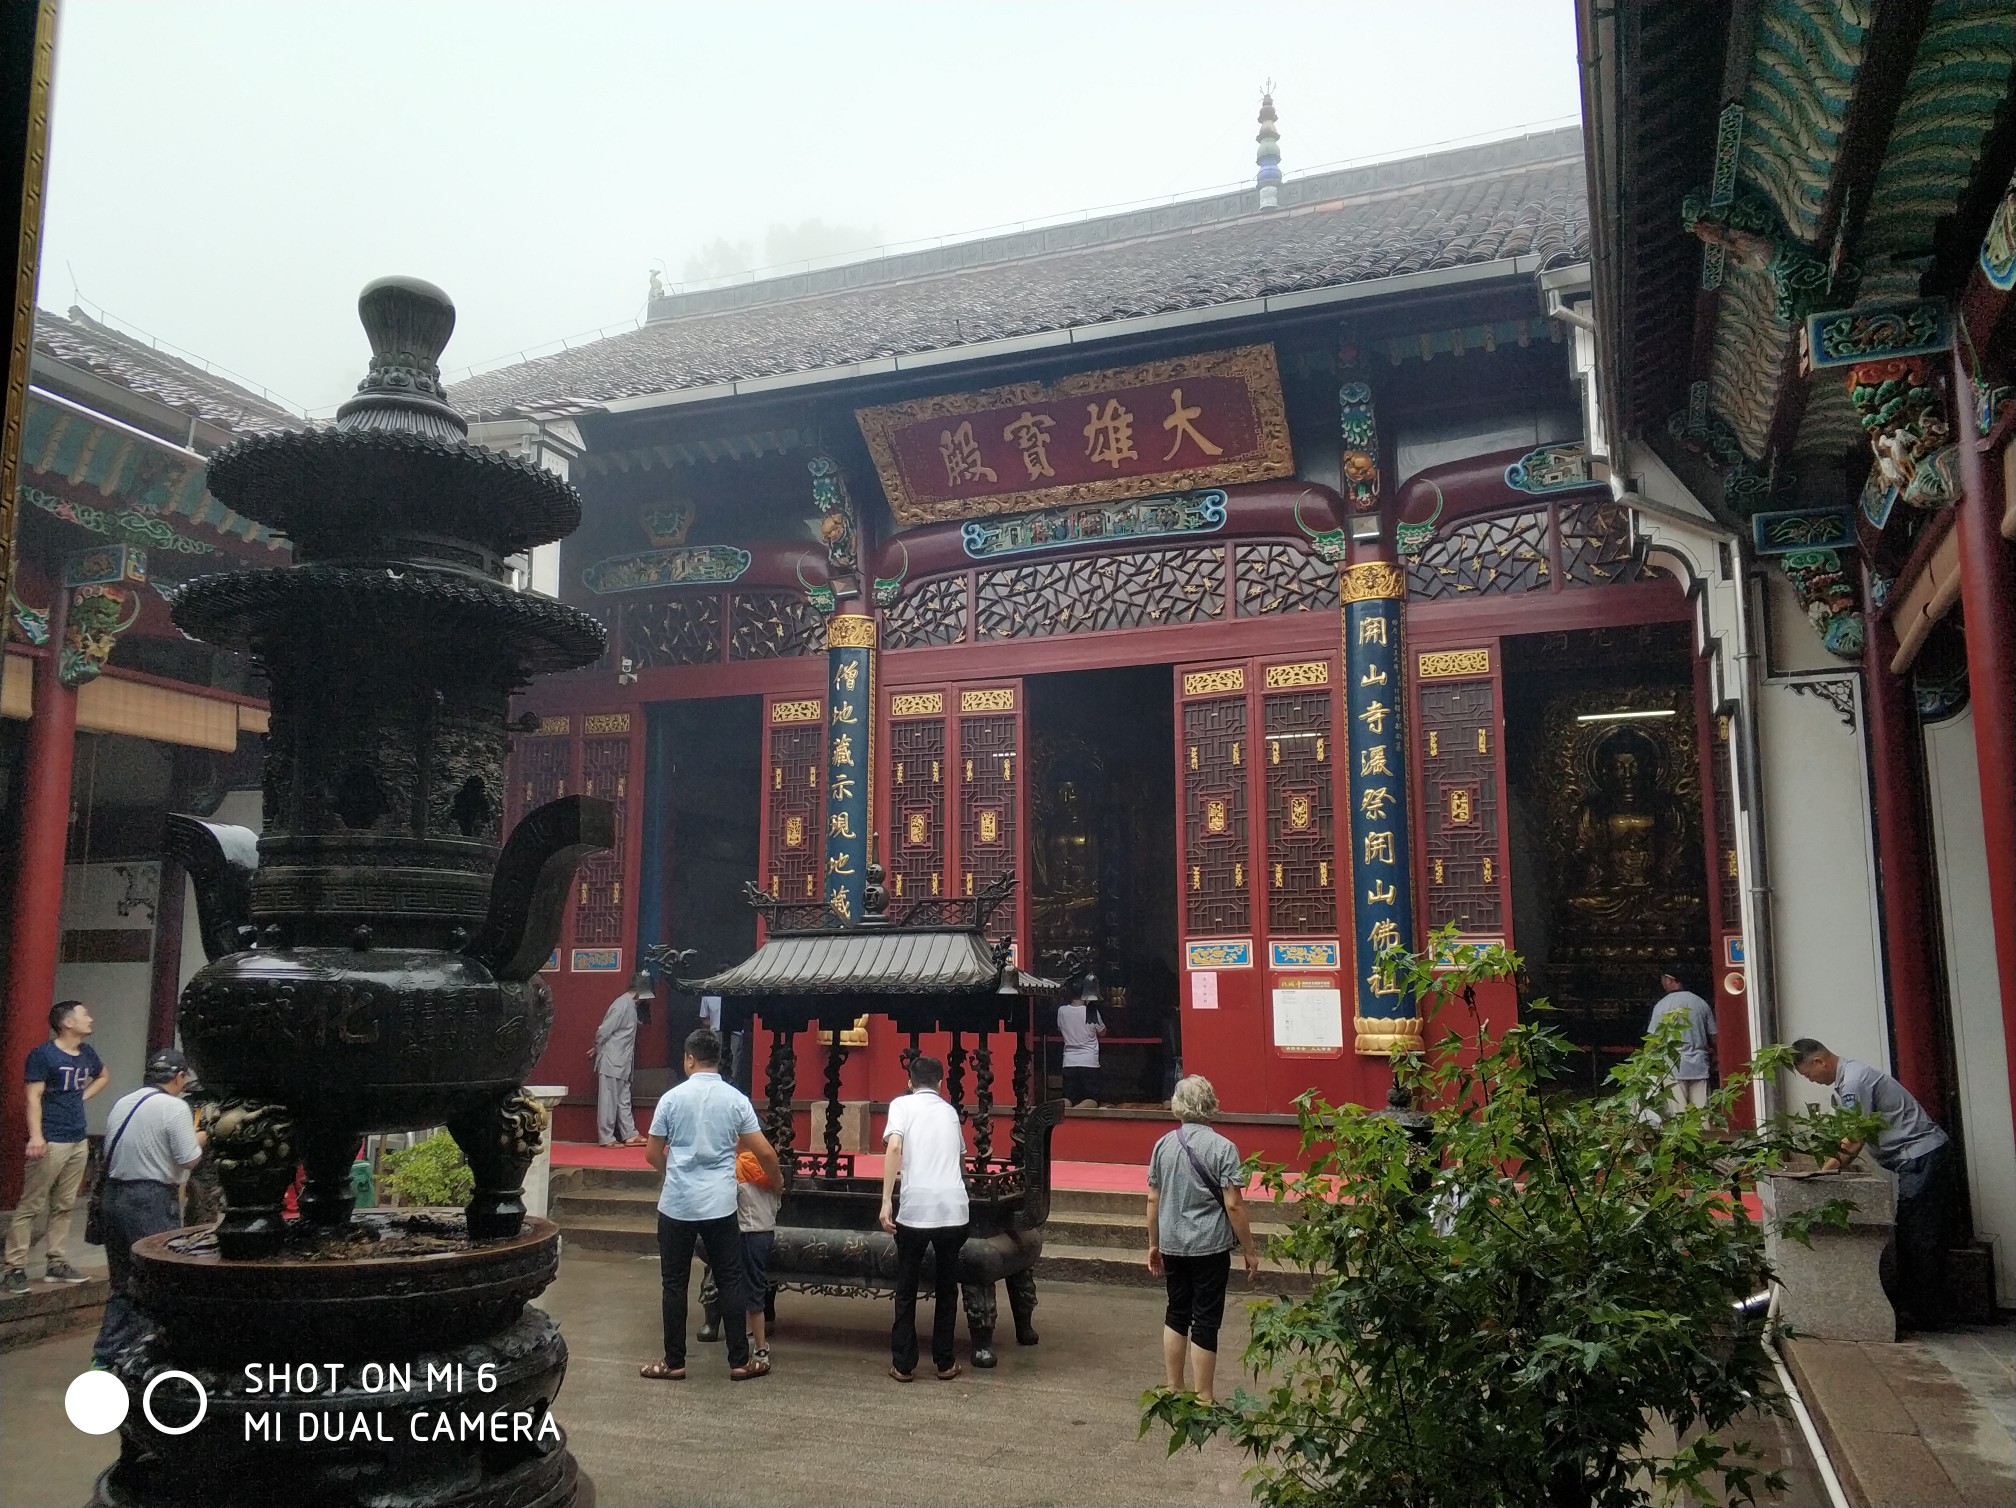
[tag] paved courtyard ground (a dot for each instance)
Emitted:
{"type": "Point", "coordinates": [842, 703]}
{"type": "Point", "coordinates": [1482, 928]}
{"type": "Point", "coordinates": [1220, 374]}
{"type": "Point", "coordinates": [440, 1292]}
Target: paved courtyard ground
{"type": "Point", "coordinates": [1052, 1424]}
{"type": "Point", "coordinates": [1055, 1423]}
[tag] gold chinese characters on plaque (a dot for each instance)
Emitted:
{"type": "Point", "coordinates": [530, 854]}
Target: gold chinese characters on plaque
{"type": "Point", "coordinates": [1192, 421]}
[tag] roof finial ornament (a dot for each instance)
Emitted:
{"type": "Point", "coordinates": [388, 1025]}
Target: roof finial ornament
{"type": "Point", "coordinates": [1269, 155]}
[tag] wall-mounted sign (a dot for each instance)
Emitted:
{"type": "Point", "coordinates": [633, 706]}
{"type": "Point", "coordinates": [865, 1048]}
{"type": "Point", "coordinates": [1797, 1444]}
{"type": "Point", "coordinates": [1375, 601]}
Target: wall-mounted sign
{"type": "Point", "coordinates": [1192, 421]}
{"type": "Point", "coordinates": [1204, 991]}
{"type": "Point", "coordinates": [1309, 1017]}
{"type": "Point", "coordinates": [596, 961]}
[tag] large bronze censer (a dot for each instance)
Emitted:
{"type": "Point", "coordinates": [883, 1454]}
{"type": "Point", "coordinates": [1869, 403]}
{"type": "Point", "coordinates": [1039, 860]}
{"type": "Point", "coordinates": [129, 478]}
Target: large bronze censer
{"type": "Point", "coordinates": [374, 966]}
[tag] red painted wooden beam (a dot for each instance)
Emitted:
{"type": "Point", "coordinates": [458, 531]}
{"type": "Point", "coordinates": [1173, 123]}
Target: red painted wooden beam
{"type": "Point", "coordinates": [38, 895]}
{"type": "Point", "coordinates": [1988, 600]}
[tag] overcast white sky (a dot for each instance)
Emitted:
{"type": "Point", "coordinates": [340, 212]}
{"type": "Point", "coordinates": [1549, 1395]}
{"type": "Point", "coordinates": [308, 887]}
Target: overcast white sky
{"type": "Point", "coordinates": [226, 176]}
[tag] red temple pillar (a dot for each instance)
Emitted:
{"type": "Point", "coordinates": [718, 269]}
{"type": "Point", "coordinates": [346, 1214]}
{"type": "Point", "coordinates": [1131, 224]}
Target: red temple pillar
{"type": "Point", "coordinates": [38, 891]}
{"type": "Point", "coordinates": [1988, 601]}
{"type": "Point", "coordinates": [1904, 871]}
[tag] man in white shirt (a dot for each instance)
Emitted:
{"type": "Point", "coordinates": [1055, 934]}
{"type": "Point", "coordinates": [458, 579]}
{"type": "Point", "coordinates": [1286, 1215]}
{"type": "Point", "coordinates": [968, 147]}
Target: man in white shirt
{"type": "Point", "coordinates": [926, 1148]}
{"type": "Point", "coordinates": [615, 1058]}
{"type": "Point", "coordinates": [1079, 1025]}
{"type": "Point", "coordinates": [1689, 1085]}
{"type": "Point", "coordinates": [151, 1143]}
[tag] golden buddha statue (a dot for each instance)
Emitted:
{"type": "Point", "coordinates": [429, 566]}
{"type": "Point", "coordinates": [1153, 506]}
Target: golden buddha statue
{"type": "Point", "coordinates": [1628, 833]}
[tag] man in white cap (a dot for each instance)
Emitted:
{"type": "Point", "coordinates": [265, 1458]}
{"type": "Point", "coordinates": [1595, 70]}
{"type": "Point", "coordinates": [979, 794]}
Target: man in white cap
{"type": "Point", "coordinates": [615, 1059]}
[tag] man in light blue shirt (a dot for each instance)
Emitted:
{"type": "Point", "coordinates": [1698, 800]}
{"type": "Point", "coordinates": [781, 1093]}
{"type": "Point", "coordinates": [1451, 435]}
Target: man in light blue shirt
{"type": "Point", "coordinates": [1915, 1148]}
{"type": "Point", "coordinates": [696, 1131]}
{"type": "Point", "coordinates": [1689, 1084]}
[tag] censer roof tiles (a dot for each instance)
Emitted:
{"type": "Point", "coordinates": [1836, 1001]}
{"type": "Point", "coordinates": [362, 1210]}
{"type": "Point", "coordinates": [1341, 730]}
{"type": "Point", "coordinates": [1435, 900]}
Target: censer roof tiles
{"type": "Point", "coordinates": [864, 961]}
{"type": "Point", "coordinates": [1520, 197]}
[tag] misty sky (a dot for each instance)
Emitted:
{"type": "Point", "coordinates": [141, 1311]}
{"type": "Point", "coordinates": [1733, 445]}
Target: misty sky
{"type": "Point", "coordinates": [227, 176]}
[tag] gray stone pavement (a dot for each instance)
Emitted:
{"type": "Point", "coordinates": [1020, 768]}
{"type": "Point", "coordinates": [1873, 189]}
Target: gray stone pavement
{"type": "Point", "coordinates": [1055, 1423]}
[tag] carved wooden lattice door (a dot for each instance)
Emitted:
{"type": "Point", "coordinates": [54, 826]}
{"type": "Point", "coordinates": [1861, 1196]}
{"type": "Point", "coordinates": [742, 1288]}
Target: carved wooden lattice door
{"type": "Point", "coordinates": [605, 773]}
{"type": "Point", "coordinates": [952, 798]}
{"type": "Point", "coordinates": [542, 768]}
{"type": "Point", "coordinates": [1259, 880]}
{"type": "Point", "coordinates": [1464, 877]}
{"type": "Point", "coordinates": [793, 836]}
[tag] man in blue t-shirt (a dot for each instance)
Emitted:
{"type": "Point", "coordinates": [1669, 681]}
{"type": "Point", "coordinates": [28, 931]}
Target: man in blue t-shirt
{"type": "Point", "coordinates": [62, 1074]}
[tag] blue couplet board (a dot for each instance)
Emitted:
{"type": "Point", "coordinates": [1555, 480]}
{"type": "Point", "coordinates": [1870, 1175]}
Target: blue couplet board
{"type": "Point", "coordinates": [1382, 901]}
{"type": "Point", "coordinates": [850, 728]}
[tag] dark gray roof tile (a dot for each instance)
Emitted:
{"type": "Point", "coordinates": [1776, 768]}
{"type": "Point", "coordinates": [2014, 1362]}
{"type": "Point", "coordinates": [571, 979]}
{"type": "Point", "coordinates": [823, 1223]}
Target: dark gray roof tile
{"type": "Point", "coordinates": [80, 341]}
{"type": "Point", "coordinates": [1521, 197]}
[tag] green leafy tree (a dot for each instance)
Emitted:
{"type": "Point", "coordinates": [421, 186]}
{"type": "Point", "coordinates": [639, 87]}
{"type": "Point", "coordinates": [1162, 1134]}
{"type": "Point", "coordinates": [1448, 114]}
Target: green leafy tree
{"type": "Point", "coordinates": [1505, 1301]}
{"type": "Point", "coordinates": [431, 1173]}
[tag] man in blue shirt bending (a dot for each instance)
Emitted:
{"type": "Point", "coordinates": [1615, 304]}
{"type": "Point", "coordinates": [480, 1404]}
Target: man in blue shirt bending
{"type": "Point", "coordinates": [696, 1131]}
{"type": "Point", "coordinates": [62, 1074]}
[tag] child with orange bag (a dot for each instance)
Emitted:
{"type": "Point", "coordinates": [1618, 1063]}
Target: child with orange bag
{"type": "Point", "coordinates": [756, 1206]}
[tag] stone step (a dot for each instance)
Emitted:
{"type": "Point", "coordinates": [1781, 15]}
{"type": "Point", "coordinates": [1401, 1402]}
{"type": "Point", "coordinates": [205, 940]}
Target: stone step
{"type": "Point", "coordinates": [1062, 1263]}
{"type": "Point", "coordinates": [640, 1205]}
{"type": "Point", "coordinates": [48, 1309]}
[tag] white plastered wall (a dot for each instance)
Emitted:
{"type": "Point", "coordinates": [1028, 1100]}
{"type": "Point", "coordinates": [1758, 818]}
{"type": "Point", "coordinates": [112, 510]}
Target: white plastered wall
{"type": "Point", "coordinates": [1829, 966]}
{"type": "Point", "coordinates": [1980, 1046]}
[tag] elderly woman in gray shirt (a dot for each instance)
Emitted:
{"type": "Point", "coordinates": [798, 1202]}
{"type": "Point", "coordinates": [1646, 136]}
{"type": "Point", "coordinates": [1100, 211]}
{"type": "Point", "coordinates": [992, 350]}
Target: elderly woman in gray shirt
{"type": "Point", "coordinates": [1196, 1214]}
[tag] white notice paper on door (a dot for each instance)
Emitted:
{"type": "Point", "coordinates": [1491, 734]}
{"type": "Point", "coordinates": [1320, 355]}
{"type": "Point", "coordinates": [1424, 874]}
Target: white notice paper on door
{"type": "Point", "coordinates": [1204, 991]}
{"type": "Point", "coordinates": [1308, 1020]}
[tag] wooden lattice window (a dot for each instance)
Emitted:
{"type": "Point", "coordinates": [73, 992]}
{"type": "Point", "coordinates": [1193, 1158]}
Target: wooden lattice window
{"type": "Point", "coordinates": [794, 836]}
{"type": "Point", "coordinates": [539, 775]}
{"type": "Point", "coordinates": [1301, 844]}
{"type": "Point", "coordinates": [989, 764]}
{"type": "Point", "coordinates": [1506, 554]}
{"type": "Point", "coordinates": [1596, 545]}
{"type": "Point", "coordinates": [675, 631]}
{"type": "Point", "coordinates": [605, 772]}
{"type": "Point", "coordinates": [934, 613]}
{"type": "Point", "coordinates": [1097, 593]}
{"type": "Point", "coordinates": [916, 857]}
{"type": "Point", "coordinates": [1462, 849]}
{"type": "Point", "coordinates": [772, 626]}
{"type": "Point", "coordinates": [1279, 578]}
{"type": "Point", "coordinates": [1216, 845]}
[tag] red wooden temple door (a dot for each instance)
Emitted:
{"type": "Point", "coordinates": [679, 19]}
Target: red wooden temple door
{"type": "Point", "coordinates": [1265, 1011]}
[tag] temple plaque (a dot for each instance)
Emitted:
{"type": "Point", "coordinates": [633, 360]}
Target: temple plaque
{"type": "Point", "coordinates": [1191, 421]}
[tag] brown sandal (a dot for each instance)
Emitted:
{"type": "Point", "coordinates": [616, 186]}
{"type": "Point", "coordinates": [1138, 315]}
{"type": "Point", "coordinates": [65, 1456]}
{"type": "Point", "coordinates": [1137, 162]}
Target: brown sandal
{"type": "Point", "coordinates": [901, 1376]}
{"type": "Point", "coordinates": [950, 1372]}
{"type": "Point", "coordinates": [658, 1371]}
{"type": "Point", "coordinates": [749, 1369]}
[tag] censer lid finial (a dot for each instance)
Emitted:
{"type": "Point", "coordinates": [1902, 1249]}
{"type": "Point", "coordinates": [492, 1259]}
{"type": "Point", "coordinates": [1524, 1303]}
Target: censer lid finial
{"type": "Point", "coordinates": [408, 321]}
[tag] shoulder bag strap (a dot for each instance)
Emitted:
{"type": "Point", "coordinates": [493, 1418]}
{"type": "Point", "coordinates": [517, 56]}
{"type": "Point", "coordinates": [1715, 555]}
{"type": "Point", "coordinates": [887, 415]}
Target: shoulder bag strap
{"type": "Point", "coordinates": [1197, 1164]}
{"type": "Point", "coordinates": [118, 1136]}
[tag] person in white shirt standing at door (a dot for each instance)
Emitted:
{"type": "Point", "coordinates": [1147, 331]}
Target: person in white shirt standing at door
{"type": "Point", "coordinates": [925, 1147]}
{"type": "Point", "coordinates": [1079, 1025]}
{"type": "Point", "coordinates": [1689, 1086]}
{"type": "Point", "coordinates": [615, 1058]}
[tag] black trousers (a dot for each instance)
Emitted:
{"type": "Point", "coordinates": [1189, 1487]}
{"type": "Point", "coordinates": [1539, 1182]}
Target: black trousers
{"type": "Point", "coordinates": [1196, 1287]}
{"type": "Point", "coordinates": [723, 1243]}
{"type": "Point", "coordinates": [135, 1208]}
{"type": "Point", "coordinates": [1924, 1218]}
{"type": "Point", "coordinates": [944, 1242]}
{"type": "Point", "coordinates": [1081, 1084]}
